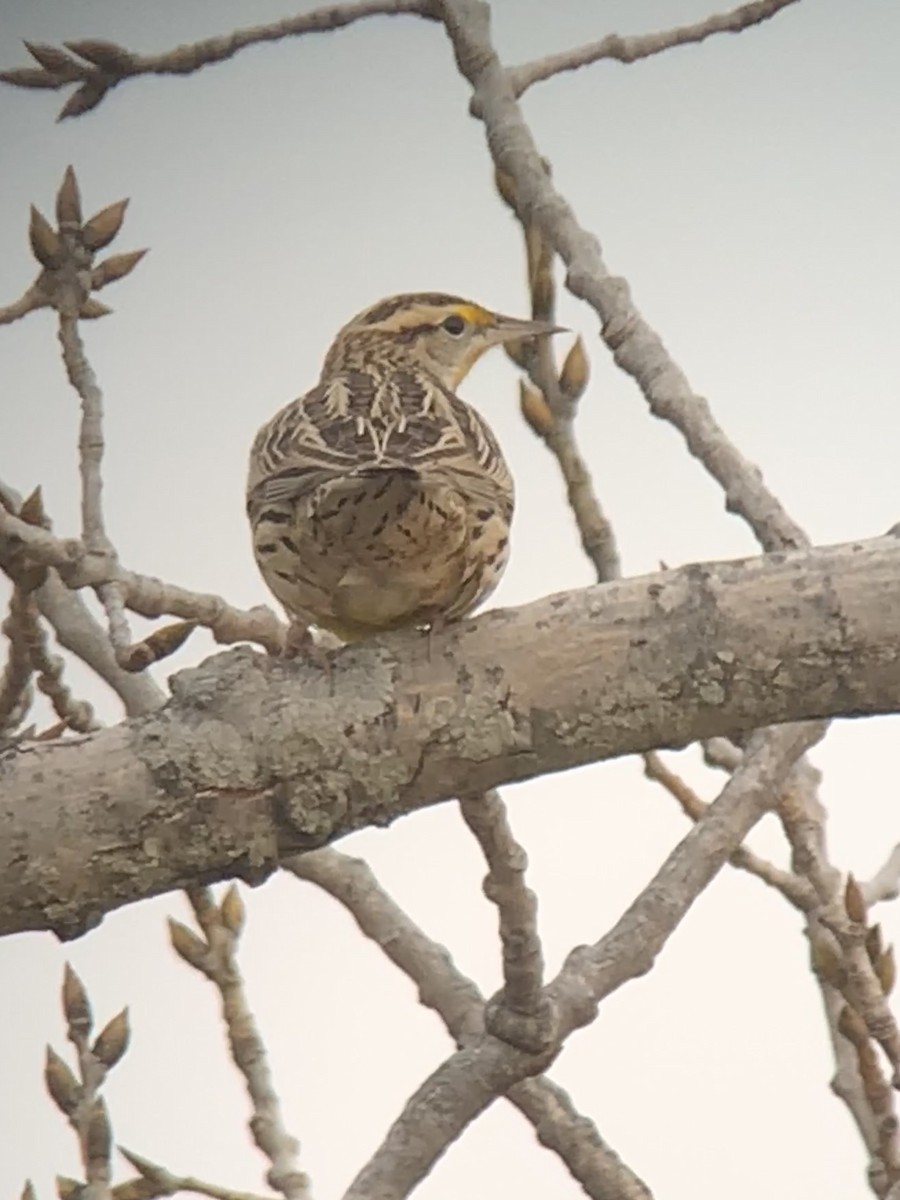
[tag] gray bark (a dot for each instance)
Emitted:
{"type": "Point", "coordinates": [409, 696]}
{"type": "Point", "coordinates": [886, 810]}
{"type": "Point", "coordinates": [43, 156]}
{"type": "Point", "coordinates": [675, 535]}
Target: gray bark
{"type": "Point", "coordinates": [255, 758]}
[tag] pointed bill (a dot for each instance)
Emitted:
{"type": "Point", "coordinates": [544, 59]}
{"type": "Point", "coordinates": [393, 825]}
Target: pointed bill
{"type": "Point", "coordinates": [515, 328]}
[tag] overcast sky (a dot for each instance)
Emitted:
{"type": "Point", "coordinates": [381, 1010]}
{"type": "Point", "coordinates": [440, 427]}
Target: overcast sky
{"type": "Point", "coordinates": [749, 191]}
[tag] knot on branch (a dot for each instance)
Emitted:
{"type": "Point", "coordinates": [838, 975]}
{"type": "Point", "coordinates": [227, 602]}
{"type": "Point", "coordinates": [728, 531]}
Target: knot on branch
{"type": "Point", "coordinates": [535, 1033]}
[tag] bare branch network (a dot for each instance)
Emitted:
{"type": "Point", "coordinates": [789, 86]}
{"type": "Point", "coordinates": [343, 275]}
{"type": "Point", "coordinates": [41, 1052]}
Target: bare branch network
{"type": "Point", "coordinates": [256, 761]}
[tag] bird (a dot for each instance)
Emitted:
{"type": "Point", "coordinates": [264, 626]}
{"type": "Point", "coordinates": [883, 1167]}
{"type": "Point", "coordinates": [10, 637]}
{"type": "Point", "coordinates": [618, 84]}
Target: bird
{"type": "Point", "coordinates": [380, 500]}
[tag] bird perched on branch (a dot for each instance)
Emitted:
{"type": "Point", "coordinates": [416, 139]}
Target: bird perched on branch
{"type": "Point", "coordinates": [380, 499]}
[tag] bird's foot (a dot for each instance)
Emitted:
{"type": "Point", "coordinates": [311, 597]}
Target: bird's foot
{"type": "Point", "coordinates": [437, 626]}
{"type": "Point", "coordinates": [299, 643]}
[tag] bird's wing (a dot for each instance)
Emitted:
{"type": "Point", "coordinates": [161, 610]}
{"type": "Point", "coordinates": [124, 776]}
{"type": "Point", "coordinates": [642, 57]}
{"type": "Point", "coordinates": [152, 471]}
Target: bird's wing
{"type": "Point", "coordinates": [361, 422]}
{"type": "Point", "coordinates": [297, 451]}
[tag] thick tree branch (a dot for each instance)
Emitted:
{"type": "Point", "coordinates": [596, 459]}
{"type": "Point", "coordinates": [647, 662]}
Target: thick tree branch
{"type": "Point", "coordinates": [255, 757]}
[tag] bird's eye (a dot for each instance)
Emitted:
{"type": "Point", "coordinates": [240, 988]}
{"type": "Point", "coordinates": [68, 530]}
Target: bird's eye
{"type": "Point", "coordinates": [454, 325]}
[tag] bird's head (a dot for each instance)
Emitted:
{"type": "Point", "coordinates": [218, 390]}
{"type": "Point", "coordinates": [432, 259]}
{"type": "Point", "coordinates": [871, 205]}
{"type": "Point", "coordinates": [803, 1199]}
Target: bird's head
{"type": "Point", "coordinates": [445, 335]}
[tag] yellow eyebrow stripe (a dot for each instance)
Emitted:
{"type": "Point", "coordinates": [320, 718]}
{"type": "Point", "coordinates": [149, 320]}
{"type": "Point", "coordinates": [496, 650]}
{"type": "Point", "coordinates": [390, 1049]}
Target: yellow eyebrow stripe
{"type": "Point", "coordinates": [474, 313]}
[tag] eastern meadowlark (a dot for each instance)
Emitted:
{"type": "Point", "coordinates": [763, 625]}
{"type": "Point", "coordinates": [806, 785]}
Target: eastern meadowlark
{"type": "Point", "coordinates": [380, 499]}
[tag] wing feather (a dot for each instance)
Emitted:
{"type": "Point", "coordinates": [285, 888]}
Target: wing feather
{"type": "Point", "coordinates": [360, 422]}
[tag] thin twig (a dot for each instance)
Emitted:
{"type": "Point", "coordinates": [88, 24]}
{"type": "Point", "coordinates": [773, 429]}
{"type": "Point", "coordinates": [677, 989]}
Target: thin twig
{"type": "Point", "coordinates": [90, 441]}
{"type": "Point", "coordinates": [844, 969]}
{"type": "Point", "coordinates": [804, 825]}
{"type": "Point", "coordinates": [29, 302]}
{"type": "Point", "coordinates": [628, 49]}
{"type": "Point", "coordinates": [80, 633]}
{"type": "Point", "coordinates": [857, 1081]}
{"type": "Point", "coordinates": [885, 883]}
{"type": "Point", "coordinates": [560, 1127]}
{"type": "Point", "coordinates": [99, 66]}
{"type": "Point", "coordinates": [69, 274]}
{"type": "Point", "coordinates": [556, 406]}
{"type": "Point", "coordinates": [216, 959]}
{"type": "Point", "coordinates": [594, 527]}
{"type": "Point", "coordinates": [884, 1163]}
{"type": "Point", "coordinates": [16, 693]}
{"type": "Point", "coordinates": [80, 1099]}
{"type": "Point", "coordinates": [143, 594]}
{"type": "Point", "coordinates": [30, 653]}
{"type": "Point", "coordinates": [525, 1020]}
{"type": "Point", "coordinates": [163, 1183]}
{"type": "Point", "coordinates": [75, 714]}
{"type": "Point", "coordinates": [441, 985]}
{"type": "Point", "coordinates": [90, 448]}
{"type": "Point", "coordinates": [74, 625]}
{"type": "Point", "coordinates": [795, 889]}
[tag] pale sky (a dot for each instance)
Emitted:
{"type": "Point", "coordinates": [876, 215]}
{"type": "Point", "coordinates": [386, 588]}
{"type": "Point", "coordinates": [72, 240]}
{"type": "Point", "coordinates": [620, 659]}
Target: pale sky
{"type": "Point", "coordinates": [748, 189]}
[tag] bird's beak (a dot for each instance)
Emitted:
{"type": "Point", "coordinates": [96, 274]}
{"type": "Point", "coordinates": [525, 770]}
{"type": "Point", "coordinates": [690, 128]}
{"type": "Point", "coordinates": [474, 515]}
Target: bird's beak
{"type": "Point", "coordinates": [509, 329]}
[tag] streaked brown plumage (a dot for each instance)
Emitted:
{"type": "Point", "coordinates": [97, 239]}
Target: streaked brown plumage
{"type": "Point", "coordinates": [380, 499]}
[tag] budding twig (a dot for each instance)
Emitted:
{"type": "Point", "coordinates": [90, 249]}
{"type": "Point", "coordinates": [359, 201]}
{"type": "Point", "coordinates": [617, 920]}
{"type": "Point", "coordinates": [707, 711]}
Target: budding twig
{"type": "Point", "coordinates": [214, 955]}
